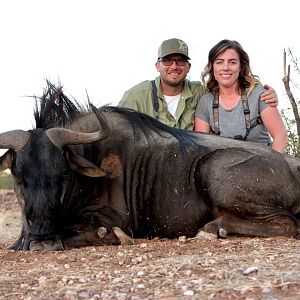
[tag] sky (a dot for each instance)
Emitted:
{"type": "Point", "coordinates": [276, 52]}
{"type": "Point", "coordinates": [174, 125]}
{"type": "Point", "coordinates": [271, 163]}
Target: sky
{"type": "Point", "coordinates": [106, 47]}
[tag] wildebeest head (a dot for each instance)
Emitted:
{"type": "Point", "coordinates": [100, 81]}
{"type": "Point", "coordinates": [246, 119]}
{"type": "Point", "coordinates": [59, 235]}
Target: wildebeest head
{"type": "Point", "coordinates": [40, 169]}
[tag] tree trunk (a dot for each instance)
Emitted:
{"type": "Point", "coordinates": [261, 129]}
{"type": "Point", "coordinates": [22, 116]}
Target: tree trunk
{"type": "Point", "coordinates": [286, 81]}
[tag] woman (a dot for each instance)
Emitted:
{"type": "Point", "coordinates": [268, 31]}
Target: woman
{"type": "Point", "coordinates": [233, 108]}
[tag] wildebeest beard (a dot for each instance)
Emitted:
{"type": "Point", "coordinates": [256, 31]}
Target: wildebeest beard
{"type": "Point", "coordinates": [41, 184]}
{"type": "Point", "coordinates": [42, 208]}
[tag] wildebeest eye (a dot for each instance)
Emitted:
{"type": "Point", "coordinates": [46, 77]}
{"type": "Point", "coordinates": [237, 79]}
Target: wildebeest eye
{"type": "Point", "coordinates": [23, 182]}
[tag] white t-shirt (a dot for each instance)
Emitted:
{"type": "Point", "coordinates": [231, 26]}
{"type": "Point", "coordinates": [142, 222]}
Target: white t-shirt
{"type": "Point", "coordinates": [172, 102]}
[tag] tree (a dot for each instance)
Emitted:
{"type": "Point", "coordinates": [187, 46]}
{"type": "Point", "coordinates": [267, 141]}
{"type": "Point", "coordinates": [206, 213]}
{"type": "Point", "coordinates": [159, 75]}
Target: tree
{"type": "Point", "coordinates": [292, 125]}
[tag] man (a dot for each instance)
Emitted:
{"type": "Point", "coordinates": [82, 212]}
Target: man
{"type": "Point", "coordinates": [171, 98]}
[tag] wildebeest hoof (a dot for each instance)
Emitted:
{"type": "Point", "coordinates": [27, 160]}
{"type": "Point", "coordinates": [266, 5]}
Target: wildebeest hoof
{"type": "Point", "coordinates": [122, 236]}
{"type": "Point", "coordinates": [203, 235]}
{"type": "Point", "coordinates": [102, 232]}
{"type": "Point", "coordinates": [222, 232]}
{"type": "Point", "coordinates": [47, 245]}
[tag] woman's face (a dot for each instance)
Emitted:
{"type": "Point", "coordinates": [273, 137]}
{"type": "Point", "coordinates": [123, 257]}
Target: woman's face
{"type": "Point", "coordinates": [226, 68]}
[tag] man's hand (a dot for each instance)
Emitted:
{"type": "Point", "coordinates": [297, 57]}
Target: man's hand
{"type": "Point", "coordinates": [269, 96]}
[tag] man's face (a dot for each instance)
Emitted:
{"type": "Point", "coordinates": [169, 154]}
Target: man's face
{"type": "Point", "coordinates": [173, 69]}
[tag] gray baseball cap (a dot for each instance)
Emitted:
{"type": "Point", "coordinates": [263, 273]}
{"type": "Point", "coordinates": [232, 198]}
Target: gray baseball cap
{"type": "Point", "coordinates": [172, 46]}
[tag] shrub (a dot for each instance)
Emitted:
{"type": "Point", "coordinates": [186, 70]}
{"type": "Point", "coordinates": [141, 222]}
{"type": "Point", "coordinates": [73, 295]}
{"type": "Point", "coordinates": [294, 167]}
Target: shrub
{"type": "Point", "coordinates": [6, 181]}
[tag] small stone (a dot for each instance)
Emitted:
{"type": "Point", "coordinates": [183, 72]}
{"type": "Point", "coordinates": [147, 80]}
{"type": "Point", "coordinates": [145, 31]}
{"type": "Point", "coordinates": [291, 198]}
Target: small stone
{"type": "Point", "coordinates": [42, 280]}
{"type": "Point", "coordinates": [250, 270]}
{"type": "Point", "coordinates": [182, 239]}
{"type": "Point", "coordinates": [136, 280]}
{"type": "Point", "coordinates": [50, 267]}
{"type": "Point", "coordinates": [188, 293]}
{"type": "Point", "coordinates": [266, 290]}
{"type": "Point", "coordinates": [64, 279]}
{"type": "Point", "coordinates": [70, 295]}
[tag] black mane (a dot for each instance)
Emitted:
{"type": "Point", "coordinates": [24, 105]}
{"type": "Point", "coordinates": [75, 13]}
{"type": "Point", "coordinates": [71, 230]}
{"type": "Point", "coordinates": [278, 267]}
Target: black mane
{"type": "Point", "coordinates": [55, 109]}
{"type": "Point", "coordinates": [146, 124]}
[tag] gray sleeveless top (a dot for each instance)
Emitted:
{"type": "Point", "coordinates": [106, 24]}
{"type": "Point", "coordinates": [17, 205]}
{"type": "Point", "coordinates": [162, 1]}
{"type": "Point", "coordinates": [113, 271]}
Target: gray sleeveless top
{"type": "Point", "coordinates": [232, 122]}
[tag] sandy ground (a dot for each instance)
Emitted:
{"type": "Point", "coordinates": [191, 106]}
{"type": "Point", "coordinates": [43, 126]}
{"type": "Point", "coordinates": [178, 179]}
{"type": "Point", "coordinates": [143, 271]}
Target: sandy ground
{"type": "Point", "coordinates": [232, 268]}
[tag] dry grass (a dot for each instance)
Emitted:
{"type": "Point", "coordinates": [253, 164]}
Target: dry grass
{"type": "Point", "coordinates": [9, 218]}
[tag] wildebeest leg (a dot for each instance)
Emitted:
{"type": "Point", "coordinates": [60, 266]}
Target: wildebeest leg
{"type": "Point", "coordinates": [25, 242]}
{"type": "Point", "coordinates": [275, 226]}
{"type": "Point", "coordinates": [253, 195]}
{"type": "Point", "coordinates": [101, 237]}
{"type": "Point", "coordinates": [123, 237]}
{"type": "Point", "coordinates": [98, 237]}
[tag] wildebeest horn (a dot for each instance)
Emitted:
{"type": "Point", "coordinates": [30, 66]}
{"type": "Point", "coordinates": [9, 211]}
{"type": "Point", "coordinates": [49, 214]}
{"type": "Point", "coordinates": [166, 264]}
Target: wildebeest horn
{"type": "Point", "coordinates": [62, 136]}
{"type": "Point", "coordinates": [14, 139]}
{"type": "Point", "coordinates": [101, 118]}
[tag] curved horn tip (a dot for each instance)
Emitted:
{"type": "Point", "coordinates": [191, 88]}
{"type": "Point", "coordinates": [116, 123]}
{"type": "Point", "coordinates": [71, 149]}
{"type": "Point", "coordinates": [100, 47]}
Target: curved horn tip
{"type": "Point", "coordinates": [93, 107]}
{"type": "Point", "coordinates": [14, 139]}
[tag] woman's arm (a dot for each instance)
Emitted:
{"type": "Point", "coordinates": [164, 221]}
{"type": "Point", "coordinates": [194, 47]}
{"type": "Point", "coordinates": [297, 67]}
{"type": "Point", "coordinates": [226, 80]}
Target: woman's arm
{"type": "Point", "coordinates": [274, 124]}
{"type": "Point", "coordinates": [201, 126]}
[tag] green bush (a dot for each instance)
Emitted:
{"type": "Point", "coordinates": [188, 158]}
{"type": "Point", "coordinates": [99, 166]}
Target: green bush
{"type": "Point", "coordinates": [6, 181]}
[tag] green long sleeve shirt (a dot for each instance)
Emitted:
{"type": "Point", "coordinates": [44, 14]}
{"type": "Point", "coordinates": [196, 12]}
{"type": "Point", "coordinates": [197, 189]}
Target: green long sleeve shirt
{"type": "Point", "coordinates": [139, 98]}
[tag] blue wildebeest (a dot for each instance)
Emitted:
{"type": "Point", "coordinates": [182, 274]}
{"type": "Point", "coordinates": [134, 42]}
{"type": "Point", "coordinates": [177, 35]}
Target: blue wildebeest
{"type": "Point", "coordinates": [85, 178]}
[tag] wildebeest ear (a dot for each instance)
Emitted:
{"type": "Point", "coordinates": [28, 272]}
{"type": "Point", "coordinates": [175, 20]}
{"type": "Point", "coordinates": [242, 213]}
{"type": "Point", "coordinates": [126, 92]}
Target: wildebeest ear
{"type": "Point", "coordinates": [112, 165]}
{"type": "Point", "coordinates": [83, 166]}
{"type": "Point", "coordinates": [6, 160]}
